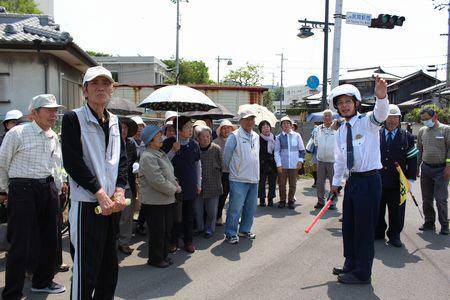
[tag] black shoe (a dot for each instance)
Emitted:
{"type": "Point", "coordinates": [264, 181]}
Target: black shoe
{"type": "Point", "coordinates": [427, 227]}
{"type": "Point", "coordinates": [444, 231]}
{"type": "Point", "coordinates": [262, 203]}
{"type": "Point", "coordinates": [318, 205]}
{"type": "Point", "coordinates": [282, 205]}
{"type": "Point", "coordinates": [270, 203]}
{"type": "Point", "coordinates": [53, 288]}
{"type": "Point", "coordinates": [349, 278]}
{"type": "Point", "coordinates": [395, 242]}
{"type": "Point", "coordinates": [340, 220]}
{"type": "Point", "coordinates": [339, 271]}
{"type": "Point", "coordinates": [291, 204]}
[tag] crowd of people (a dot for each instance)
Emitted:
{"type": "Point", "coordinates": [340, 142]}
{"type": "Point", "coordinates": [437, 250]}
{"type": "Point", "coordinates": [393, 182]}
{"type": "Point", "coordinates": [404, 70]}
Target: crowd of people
{"type": "Point", "coordinates": [180, 175]}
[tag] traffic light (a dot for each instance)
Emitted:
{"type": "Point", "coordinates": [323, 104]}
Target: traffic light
{"type": "Point", "coordinates": [387, 21]}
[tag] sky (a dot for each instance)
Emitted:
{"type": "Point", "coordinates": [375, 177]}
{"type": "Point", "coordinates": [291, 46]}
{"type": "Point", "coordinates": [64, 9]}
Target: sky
{"type": "Point", "coordinates": [255, 31]}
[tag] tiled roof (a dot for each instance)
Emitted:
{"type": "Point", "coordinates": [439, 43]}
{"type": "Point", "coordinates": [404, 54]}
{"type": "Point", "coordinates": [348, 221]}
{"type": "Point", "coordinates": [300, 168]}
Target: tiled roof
{"type": "Point", "coordinates": [26, 28]}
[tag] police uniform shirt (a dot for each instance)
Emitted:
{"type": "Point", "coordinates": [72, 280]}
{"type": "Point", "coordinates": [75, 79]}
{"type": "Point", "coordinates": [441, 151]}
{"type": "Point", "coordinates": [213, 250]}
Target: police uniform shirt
{"type": "Point", "coordinates": [366, 142]}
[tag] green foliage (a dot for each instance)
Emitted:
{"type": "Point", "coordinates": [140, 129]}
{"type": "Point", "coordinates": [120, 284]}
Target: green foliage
{"type": "Point", "coordinates": [98, 54]}
{"type": "Point", "coordinates": [268, 98]}
{"type": "Point", "coordinates": [191, 72]}
{"type": "Point", "coordinates": [250, 75]}
{"type": "Point", "coordinates": [20, 6]}
{"type": "Point", "coordinates": [443, 114]}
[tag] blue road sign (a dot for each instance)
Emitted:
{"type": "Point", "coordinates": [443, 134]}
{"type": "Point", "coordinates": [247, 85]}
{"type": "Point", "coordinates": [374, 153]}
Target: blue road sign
{"type": "Point", "coordinates": [313, 82]}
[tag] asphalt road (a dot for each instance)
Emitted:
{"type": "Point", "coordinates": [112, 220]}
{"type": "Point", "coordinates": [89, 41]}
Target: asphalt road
{"type": "Point", "coordinates": [284, 263]}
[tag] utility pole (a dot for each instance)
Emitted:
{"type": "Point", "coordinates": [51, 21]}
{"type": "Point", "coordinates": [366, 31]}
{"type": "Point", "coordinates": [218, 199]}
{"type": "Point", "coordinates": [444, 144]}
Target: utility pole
{"type": "Point", "coordinates": [448, 47]}
{"type": "Point", "coordinates": [323, 104]}
{"type": "Point", "coordinates": [281, 80]}
{"type": "Point", "coordinates": [336, 44]}
{"type": "Point", "coordinates": [177, 58]}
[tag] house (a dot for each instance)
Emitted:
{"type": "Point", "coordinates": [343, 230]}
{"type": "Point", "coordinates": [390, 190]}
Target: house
{"type": "Point", "coordinates": [437, 94]}
{"type": "Point", "coordinates": [135, 69]}
{"type": "Point", "coordinates": [36, 58]}
{"type": "Point", "coordinates": [229, 96]}
{"type": "Point", "coordinates": [403, 92]}
{"type": "Point", "coordinates": [364, 80]}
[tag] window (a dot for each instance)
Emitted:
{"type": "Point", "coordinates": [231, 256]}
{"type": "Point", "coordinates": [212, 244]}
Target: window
{"type": "Point", "coordinates": [115, 76]}
{"type": "Point", "coordinates": [4, 87]}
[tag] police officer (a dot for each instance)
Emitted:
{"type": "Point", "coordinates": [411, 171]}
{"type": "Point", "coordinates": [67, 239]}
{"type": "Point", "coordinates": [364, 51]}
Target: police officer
{"type": "Point", "coordinates": [397, 146]}
{"type": "Point", "coordinates": [358, 151]}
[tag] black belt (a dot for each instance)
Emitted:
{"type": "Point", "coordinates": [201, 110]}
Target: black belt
{"type": "Point", "coordinates": [364, 174]}
{"type": "Point", "coordinates": [32, 180]}
{"type": "Point", "coordinates": [442, 165]}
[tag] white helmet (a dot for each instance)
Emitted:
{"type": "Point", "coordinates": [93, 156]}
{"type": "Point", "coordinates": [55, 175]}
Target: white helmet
{"type": "Point", "coordinates": [170, 114]}
{"type": "Point", "coordinates": [13, 115]}
{"type": "Point", "coordinates": [394, 110]}
{"type": "Point", "coordinates": [138, 120]}
{"type": "Point", "coordinates": [345, 89]}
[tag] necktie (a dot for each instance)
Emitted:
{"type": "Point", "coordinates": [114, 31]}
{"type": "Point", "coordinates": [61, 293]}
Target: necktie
{"type": "Point", "coordinates": [350, 157]}
{"type": "Point", "coordinates": [389, 139]}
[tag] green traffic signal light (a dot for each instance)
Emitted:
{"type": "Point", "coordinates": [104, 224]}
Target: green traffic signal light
{"type": "Point", "coordinates": [387, 21]}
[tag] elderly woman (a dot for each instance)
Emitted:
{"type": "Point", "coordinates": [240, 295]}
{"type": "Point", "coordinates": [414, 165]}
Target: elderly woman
{"type": "Point", "coordinates": [185, 156]}
{"type": "Point", "coordinates": [158, 188]}
{"type": "Point", "coordinates": [206, 203]}
{"type": "Point", "coordinates": [267, 165]}
{"type": "Point", "coordinates": [223, 131]}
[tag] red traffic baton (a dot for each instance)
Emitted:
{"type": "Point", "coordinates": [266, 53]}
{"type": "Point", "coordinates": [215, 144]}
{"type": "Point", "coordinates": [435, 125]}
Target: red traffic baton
{"type": "Point", "coordinates": [330, 199]}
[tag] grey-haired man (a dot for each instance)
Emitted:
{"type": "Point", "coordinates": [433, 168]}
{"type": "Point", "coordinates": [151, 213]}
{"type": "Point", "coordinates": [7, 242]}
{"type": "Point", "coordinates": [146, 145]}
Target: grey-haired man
{"type": "Point", "coordinates": [95, 160]}
{"type": "Point", "coordinates": [30, 173]}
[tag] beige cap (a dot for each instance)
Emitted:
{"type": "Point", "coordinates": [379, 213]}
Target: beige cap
{"type": "Point", "coordinates": [138, 120]}
{"type": "Point", "coordinates": [95, 72]}
{"type": "Point", "coordinates": [44, 100]}
{"type": "Point", "coordinates": [199, 122]}
{"type": "Point", "coordinates": [286, 118]}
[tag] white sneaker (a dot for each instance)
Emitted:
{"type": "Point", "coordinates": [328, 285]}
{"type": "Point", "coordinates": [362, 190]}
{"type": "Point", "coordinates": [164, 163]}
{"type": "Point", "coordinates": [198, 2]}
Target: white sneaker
{"type": "Point", "coordinates": [248, 235]}
{"type": "Point", "coordinates": [53, 288]}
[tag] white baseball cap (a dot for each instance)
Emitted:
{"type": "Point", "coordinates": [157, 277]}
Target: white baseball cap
{"type": "Point", "coordinates": [44, 100]}
{"type": "Point", "coordinates": [13, 115]}
{"type": "Point", "coordinates": [95, 72]}
{"type": "Point", "coordinates": [286, 118]}
{"type": "Point", "coordinates": [138, 120]}
{"type": "Point", "coordinates": [170, 114]}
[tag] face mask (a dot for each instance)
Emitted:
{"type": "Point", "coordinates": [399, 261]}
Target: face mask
{"type": "Point", "coordinates": [428, 123]}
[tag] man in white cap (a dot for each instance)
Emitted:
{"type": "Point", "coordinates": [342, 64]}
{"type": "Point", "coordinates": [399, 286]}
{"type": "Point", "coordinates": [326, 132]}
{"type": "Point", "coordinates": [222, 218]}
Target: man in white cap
{"type": "Point", "coordinates": [12, 118]}
{"type": "Point", "coordinates": [397, 146]}
{"type": "Point", "coordinates": [358, 151]}
{"type": "Point", "coordinates": [324, 137]}
{"type": "Point", "coordinates": [289, 154]}
{"type": "Point", "coordinates": [95, 160]}
{"type": "Point", "coordinates": [241, 156]}
{"type": "Point", "coordinates": [30, 175]}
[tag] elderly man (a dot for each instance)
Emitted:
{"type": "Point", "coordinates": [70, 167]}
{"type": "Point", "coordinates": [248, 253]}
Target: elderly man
{"type": "Point", "coordinates": [289, 155]}
{"type": "Point", "coordinates": [95, 160]}
{"type": "Point", "coordinates": [30, 173]}
{"type": "Point", "coordinates": [397, 146]}
{"type": "Point", "coordinates": [358, 151]}
{"type": "Point", "coordinates": [433, 141]}
{"type": "Point", "coordinates": [241, 156]}
{"type": "Point", "coordinates": [324, 139]}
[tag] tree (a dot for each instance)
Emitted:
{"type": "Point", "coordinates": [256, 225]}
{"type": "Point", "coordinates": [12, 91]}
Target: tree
{"type": "Point", "coordinates": [268, 98]}
{"type": "Point", "coordinates": [20, 6]}
{"type": "Point", "coordinates": [443, 114]}
{"type": "Point", "coordinates": [250, 75]}
{"type": "Point", "coordinates": [98, 54]}
{"type": "Point", "coordinates": [191, 72]}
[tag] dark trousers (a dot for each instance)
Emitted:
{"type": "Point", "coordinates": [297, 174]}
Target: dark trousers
{"type": "Point", "coordinates": [160, 220]}
{"type": "Point", "coordinates": [32, 233]}
{"type": "Point", "coordinates": [95, 264]}
{"type": "Point", "coordinates": [271, 177]}
{"type": "Point", "coordinates": [226, 191]}
{"type": "Point", "coordinates": [434, 187]}
{"type": "Point", "coordinates": [183, 221]}
{"type": "Point", "coordinates": [360, 215]}
{"type": "Point", "coordinates": [390, 197]}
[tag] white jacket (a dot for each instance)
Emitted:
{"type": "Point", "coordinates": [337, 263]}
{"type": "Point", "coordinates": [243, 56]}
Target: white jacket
{"type": "Point", "coordinates": [244, 164]}
{"type": "Point", "coordinates": [325, 141]}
